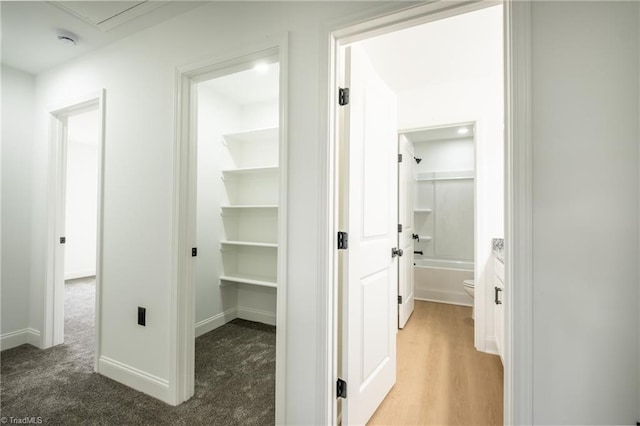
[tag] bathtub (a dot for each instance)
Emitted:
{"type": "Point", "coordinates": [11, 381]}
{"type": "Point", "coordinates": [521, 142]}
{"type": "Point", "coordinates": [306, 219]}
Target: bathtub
{"type": "Point", "coordinates": [440, 280]}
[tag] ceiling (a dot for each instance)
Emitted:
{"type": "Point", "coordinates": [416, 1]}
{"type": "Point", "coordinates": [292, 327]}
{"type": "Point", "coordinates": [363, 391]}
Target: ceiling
{"type": "Point", "coordinates": [249, 86]}
{"type": "Point", "coordinates": [423, 55]}
{"type": "Point", "coordinates": [29, 28]}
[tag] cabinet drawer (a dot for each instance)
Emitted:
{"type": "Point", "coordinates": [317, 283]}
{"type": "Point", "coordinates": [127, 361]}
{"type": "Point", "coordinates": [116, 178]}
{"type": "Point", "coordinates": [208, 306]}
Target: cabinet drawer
{"type": "Point", "coordinates": [499, 270]}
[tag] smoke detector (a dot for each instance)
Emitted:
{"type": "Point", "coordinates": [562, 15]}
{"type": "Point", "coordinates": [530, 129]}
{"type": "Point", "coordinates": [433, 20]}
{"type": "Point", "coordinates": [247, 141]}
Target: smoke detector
{"type": "Point", "coordinates": [67, 38]}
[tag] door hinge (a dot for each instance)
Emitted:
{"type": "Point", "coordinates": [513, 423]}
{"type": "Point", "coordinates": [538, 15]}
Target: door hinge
{"type": "Point", "coordinates": [343, 240]}
{"type": "Point", "coordinates": [399, 300]}
{"type": "Point", "coordinates": [399, 158]}
{"type": "Point", "coordinates": [63, 240]}
{"type": "Point", "coordinates": [399, 227]}
{"type": "Point", "coordinates": [343, 96]}
{"type": "Point", "coordinates": [341, 389]}
{"type": "Point", "coordinates": [194, 252]}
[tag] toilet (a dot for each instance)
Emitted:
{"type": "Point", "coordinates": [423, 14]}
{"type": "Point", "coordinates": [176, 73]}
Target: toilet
{"type": "Point", "coordinates": [469, 286]}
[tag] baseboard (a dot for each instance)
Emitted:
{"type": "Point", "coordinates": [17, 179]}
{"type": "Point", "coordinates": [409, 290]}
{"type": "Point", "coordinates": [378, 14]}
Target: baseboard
{"type": "Point", "coordinates": [490, 346]}
{"type": "Point", "coordinates": [134, 378]}
{"type": "Point", "coordinates": [451, 298]}
{"type": "Point", "coordinates": [211, 323]}
{"type": "Point", "coordinates": [79, 274]}
{"type": "Point", "coordinates": [20, 337]}
{"type": "Point", "coordinates": [256, 315]}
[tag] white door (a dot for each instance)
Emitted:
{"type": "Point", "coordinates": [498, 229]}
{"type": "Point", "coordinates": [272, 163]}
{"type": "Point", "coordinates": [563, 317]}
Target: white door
{"type": "Point", "coordinates": [370, 277]}
{"type": "Point", "coordinates": [405, 237]}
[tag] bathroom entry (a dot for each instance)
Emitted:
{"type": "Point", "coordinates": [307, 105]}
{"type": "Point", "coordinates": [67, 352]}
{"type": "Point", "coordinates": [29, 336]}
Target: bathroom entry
{"type": "Point", "coordinates": [443, 75]}
{"type": "Point", "coordinates": [444, 212]}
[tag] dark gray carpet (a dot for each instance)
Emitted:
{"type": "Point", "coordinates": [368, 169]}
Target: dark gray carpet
{"type": "Point", "coordinates": [235, 377]}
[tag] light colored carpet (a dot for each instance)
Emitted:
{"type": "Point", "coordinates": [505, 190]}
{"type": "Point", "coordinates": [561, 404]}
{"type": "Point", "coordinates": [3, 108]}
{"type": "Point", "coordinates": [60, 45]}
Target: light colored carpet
{"type": "Point", "coordinates": [235, 377]}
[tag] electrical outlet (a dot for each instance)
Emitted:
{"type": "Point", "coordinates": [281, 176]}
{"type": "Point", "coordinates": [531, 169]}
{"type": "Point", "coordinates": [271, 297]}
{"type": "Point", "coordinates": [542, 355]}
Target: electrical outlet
{"type": "Point", "coordinates": [142, 316]}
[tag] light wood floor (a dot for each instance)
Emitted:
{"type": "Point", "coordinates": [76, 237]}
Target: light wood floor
{"type": "Point", "coordinates": [441, 378]}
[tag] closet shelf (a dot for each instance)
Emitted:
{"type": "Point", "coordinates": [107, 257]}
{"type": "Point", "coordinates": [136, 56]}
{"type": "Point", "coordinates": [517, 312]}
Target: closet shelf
{"type": "Point", "coordinates": [226, 280]}
{"type": "Point", "coordinates": [423, 210]}
{"type": "Point", "coordinates": [249, 170]}
{"type": "Point", "coordinates": [250, 206]}
{"type": "Point", "coordinates": [445, 178]}
{"type": "Point", "coordinates": [424, 238]}
{"type": "Point", "coordinates": [249, 244]}
{"type": "Point", "coordinates": [256, 135]}
{"type": "Point", "coordinates": [452, 175]}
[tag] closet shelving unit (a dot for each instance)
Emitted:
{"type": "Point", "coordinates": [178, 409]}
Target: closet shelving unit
{"type": "Point", "coordinates": [250, 212]}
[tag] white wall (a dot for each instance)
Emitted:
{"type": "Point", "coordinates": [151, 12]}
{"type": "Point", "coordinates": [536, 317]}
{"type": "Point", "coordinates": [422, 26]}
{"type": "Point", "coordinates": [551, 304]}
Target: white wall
{"type": "Point", "coordinates": [81, 210]}
{"type": "Point", "coordinates": [138, 74]}
{"type": "Point", "coordinates": [17, 150]}
{"type": "Point", "coordinates": [585, 212]}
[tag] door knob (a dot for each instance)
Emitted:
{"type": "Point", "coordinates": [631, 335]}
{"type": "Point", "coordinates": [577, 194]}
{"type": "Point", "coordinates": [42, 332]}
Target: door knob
{"type": "Point", "coordinates": [396, 252]}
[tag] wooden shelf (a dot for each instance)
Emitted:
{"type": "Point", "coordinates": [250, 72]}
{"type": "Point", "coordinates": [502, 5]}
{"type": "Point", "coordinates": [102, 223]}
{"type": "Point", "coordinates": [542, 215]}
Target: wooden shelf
{"type": "Point", "coordinates": [249, 244]}
{"type": "Point", "coordinates": [247, 279]}
{"type": "Point", "coordinates": [249, 171]}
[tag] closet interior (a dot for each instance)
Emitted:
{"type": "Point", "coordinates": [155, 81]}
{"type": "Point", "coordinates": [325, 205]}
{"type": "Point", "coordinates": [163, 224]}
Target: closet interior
{"type": "Point", "coordinates": [238, 191]}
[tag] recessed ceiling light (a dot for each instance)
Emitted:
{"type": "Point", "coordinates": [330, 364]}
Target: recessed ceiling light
{"type": "Point", "coordinates": [463, 131]}
{"type": "Point", "coordinates": [261, 67]}
{"type": "Point", "coordinates": [67, 38]}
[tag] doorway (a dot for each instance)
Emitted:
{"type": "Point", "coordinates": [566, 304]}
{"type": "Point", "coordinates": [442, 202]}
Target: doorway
{"type": "Point", "coordinates": [232, 211]}
{"type": "Point", "coordinates": [413, 114]}
{"type": "Point", "coordinates": [75, 224]}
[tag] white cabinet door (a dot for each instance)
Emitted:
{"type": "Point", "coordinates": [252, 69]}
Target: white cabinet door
{"type": "Point", "coordinates": [405, 240]}
{"type": "Point", "coordinates": [370, 280]}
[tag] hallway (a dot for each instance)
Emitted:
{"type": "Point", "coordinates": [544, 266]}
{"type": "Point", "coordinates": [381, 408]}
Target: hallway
{"type": "Point", "coordinates": [58, 384]}
{"type": "Point", "coordinates": [441, 378]}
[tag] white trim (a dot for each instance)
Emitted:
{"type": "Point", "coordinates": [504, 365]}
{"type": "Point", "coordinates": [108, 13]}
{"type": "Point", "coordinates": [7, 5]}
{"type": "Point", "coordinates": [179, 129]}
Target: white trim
{"type": "Point", "coordinates": [518, 345]}
{"type": "Point", "coordinates": [134, 378]}
{"type": "Point", "coordinates": [53, 328]}
{"type": "Point", "coordinates": [439, 296]}
{"type": "Point", "coordinates": [518, 321]}
{"type": "Point", "coordinates": [20, 337]}
{"type": "Point", "coordinates": [257, 315]}
{"type": "Point", "coordinates": [491, 347]}
{"type": "Point", "coordinates": [182, 337]}
{"type": "Point", "coordinates": [211, 323]}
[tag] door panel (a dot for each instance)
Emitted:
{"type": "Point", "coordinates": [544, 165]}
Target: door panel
{"type": "Point", "coordinates": [405, 240]}
{"type": "Point", "coordinates": [369, 280]}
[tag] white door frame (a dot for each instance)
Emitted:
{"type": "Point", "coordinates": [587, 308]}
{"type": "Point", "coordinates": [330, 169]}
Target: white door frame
{"type": "Point", "coordinates": [518, 369]}
{"type": "Point", "coordinates": [53, 330]}
{"type": "Point", "coordinates": [182, 338]}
